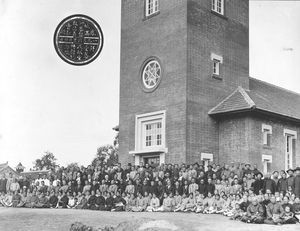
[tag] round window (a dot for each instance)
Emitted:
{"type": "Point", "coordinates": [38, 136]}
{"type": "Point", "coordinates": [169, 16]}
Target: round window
{"type": "Point", "coordinates": [151, 75]}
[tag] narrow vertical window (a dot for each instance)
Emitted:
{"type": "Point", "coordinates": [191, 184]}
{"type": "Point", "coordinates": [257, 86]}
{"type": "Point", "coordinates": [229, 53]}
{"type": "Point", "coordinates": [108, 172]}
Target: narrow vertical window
{"type": "Point", "coordinates": [290, 147]}
{"type": "Point", "coordinates": [216, 67]}
{"type": "Point", "coordinates": [218, 6]}
{"type": "Point", "coordinates": [216, 64]}
{"type": "Point", "coordinates": [152, 7]}
{"type": "Point", "coordinates": [267, 134]}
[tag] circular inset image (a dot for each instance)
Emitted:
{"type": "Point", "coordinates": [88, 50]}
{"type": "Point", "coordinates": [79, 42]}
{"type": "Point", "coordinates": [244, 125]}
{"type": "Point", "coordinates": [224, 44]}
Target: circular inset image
{"type": "Point", "coordinates": [78, 39]}
{"type": "Point", "coordinates": [151, 75]}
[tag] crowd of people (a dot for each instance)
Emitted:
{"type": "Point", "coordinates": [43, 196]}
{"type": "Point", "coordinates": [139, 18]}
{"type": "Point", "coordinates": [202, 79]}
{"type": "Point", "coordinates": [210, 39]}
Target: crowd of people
{"type": "Point", "coordinates": [238, 191]}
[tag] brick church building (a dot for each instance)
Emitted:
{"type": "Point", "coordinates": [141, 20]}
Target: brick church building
{"type": "Point", "coordinates": [185, 91]}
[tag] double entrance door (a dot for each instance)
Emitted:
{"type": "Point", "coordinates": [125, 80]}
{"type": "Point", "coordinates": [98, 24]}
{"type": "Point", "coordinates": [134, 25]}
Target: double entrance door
{"type": "Point", "coordinates": [151, 160]}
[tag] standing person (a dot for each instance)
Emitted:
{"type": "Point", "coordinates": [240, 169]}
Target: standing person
{"type": "Point", "coordinates": [14, 186]}
{"type": "Point", "coordinates": [193, 187]}
{"type": "Point", "coordinates": [297, 182]}
{"type": "Point", "coordinates": [247, 169]}
{"type": "Point", "coordinates": [255, 171]}
{"type": "Point", "coordinates": [275, 177]}
{"type": "Point", "coordinates": [269, 184]}
{"type": "Point", "coordinates": [290, 178]}
{"type": "Point", "coordinates": [282, 184]}
{"type": "Point", "coordinates": [9, 181]}
{"type": "Point", "coordinates": [258, 184]}
{"type": "Point", "coordinates": [3, 182]}
{"type": "Point", "coordinates": [249, 181]}
{"type": "Point", "coordinates": [210, 187]}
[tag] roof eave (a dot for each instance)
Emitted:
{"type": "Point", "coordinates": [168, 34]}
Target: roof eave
{"type": "Point", "coordinates": [232, 112]}
{"type": "Point", "coordinates": [281, 116]}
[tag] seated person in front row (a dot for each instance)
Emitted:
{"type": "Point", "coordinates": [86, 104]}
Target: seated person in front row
{"type": "Point", "coordinates": [6, 200]}
{"type": "Point", "coordinates": [140, 204]}
{"type": "Point", "coordinates": [237, 213]}
{"type": "Point", "coordinates": [168, 203]}
{"type": "Point", "coordinates": [53, 200]}
{"type": "Point", "coordinates": [274, 212]}
{"type": "Point", "coordinates": [154, 204]}
{"type": "Point", "coordinates": [288, 216]}
{"type": "Point", "coordinates": [208, 203]}
{"type": "Point", "coordinates": [119, 203]}
{"type": "Point", "coordinates": [296, 208]}
{"type": "Point", "coordinates": [42, 202]}
{"type": "Point", "coordinates": [255, 212]}
{"type": "Point", "coordinates": [182, 205]}
{"type": "Point", "coordinates": [190, 205]}
{"type": "Point", "coordinates": [16, 198]}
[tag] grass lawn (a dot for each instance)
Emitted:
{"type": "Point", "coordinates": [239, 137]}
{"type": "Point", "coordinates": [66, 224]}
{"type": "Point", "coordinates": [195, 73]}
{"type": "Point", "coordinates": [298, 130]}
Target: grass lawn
{"type": "Point", "coordinates": [61, 219]}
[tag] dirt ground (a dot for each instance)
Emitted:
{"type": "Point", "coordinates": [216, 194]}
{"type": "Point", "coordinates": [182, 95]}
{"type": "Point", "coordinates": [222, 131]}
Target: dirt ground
{"type": "Point", "coordinates": [61, 219]}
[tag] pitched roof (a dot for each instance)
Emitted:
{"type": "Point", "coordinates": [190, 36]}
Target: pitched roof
{"type": "Point", "coordinates": [3, 165]}
{"type": "Point", "coordinates": [262, 96]}
{"type": "Point", "coordinates": [238, 100]}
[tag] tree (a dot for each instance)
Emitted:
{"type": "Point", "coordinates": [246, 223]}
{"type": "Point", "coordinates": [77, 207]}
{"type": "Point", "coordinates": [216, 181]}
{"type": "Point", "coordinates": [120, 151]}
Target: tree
{"type": "Point", "coordinates": [72, 166]}
{"type": "Point", "coordinates": [107, 154]}
{"type": "Point", "coordinates": [47, 162]}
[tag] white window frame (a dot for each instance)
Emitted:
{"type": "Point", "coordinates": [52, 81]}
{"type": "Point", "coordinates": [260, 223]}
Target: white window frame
{"type": "Point", "coordinates": [267, 131]}
{"type": "Point", "coordinates": [289, 136]}
{"type": "Point", "coordinates": [215, 7]}
{"type": "Point", "coordinates": [266, 159]}
{"type": "Point", "coordinates": [140, 123]}
{"type": "Point", "coordinates": [152, 6]}
{"type": "Point", "coordinates": [217, 61]}
{"type": "Point", "coordinates": [207, 158]}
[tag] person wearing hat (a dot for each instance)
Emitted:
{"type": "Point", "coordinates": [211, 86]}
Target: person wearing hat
{"type": "Point", "coordinates": [297, 182]}
{"type": "Point", "coordinates": [258, 184]}
{"type": "Point", "coordinates": [255, 171]}
{"type": "Point", "coordinates": [247, 169]}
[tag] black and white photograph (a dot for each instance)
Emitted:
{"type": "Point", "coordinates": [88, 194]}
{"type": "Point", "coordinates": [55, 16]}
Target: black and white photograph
{"type": "Point", "coordinates": [149, 115]}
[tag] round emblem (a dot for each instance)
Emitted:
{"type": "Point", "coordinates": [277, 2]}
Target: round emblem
{"type": "Point", "coordinates": [78, 39]}
{"type": "Point", "coordinates": [151, 75]}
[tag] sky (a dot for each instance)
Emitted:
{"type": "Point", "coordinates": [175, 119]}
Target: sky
{"type": "Point", "coordinates": [49, 105]}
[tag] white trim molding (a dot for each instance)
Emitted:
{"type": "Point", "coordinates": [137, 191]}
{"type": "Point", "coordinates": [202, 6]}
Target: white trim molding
{"type": "Point", "coordinates": [214, 56]}
{"type": "Point", "coordinates": [267, 158]}
{"type": "Point", "coordinates": [140, 121]}
{"type": "Point", "coordinates": [141, 149]}
{"type": "Point", "coordinates": [207, 156]}
{"type": "Point", "coordinates": [290, 132]}
{"type": "Point", "coordinates": [266, 127]}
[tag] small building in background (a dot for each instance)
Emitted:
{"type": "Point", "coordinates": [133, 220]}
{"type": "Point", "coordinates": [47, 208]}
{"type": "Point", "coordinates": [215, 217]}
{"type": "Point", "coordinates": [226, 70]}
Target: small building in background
{"type": "Point", "coordinates": [6, 170]}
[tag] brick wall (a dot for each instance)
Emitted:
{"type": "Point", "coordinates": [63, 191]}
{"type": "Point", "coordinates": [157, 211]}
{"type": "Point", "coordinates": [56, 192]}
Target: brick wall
{"type": "Point", "coordinates": [225, 36]}
{"type": "Point", "coordinates": [233, 137]}
{"type": "Point", "coordinates": [163, 36]}
{"type": "Point", "coordinates": [277, 148]}
{"type": "Point", "coordinates": [241, 140]}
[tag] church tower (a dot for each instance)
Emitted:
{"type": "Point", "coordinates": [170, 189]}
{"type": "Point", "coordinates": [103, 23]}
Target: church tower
{"type": "Point", "coordinates": [179, 58]}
